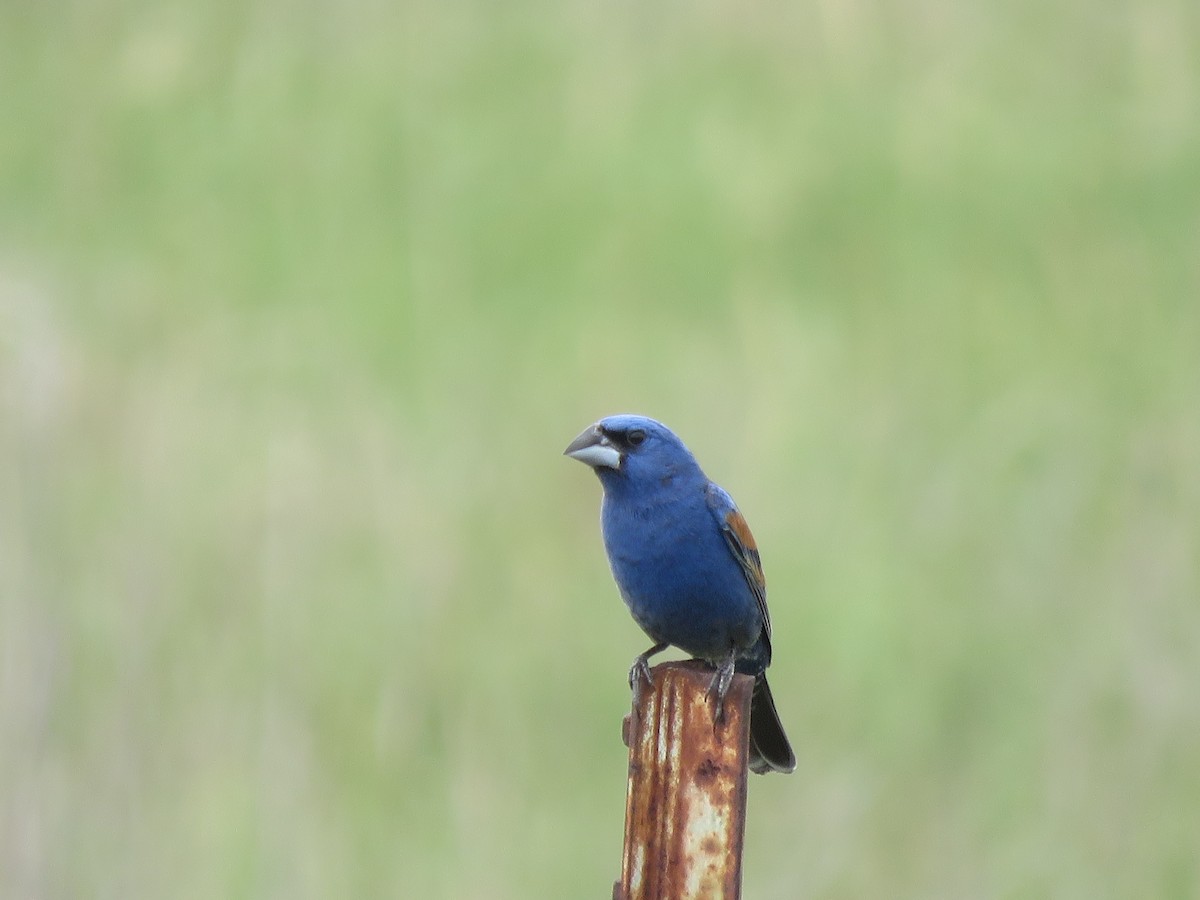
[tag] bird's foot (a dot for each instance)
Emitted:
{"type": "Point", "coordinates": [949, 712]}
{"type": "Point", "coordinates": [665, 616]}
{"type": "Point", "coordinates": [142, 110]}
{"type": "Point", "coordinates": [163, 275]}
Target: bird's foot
{"type": "Point", "coordinates": [639, 678]}
{"type": "Point", "coordinates": [639, 674]}
{"type": "Point", "coordinates": [719, 688]}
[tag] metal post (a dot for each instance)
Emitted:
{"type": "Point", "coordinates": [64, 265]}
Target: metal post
{"type": "Point", "coordinates": [685, 808]}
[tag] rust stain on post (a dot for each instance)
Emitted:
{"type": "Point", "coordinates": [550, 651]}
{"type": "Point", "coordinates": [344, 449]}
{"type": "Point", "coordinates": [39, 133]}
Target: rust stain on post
{"type": "Point", "coordinates": [685, 808]}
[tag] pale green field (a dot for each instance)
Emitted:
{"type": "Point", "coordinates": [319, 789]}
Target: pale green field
{"type": "Point", "coordinates": [299, 305]}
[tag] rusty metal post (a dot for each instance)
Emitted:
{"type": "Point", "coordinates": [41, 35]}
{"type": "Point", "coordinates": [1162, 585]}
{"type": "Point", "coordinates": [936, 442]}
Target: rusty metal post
{"type": "Point", "coordinates": [685, 808]}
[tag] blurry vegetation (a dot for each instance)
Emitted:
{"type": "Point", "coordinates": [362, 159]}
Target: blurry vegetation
{"type": "Point", "coordinates": [300, 303]}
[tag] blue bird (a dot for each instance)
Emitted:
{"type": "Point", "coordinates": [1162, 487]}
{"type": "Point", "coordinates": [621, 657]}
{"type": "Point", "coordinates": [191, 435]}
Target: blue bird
{"type": "Point", "coordinates": [686, 565]}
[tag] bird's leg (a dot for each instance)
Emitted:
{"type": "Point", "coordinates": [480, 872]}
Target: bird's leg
{"type": "Point", "coordinates": [639, 672]}
{"type": "Point", "coordinates": [720, 687]}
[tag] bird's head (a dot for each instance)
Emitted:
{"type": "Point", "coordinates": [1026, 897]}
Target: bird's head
{"type": "Point", "coordinates": [632, 448]}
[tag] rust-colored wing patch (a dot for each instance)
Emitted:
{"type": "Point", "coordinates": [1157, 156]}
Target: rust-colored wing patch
{"type": "Point", "coordinates": [743, 547]}
{"type": "Point", "coordinates": [736, 523]}
{"type": "Point", "coordinates": [745, 551]}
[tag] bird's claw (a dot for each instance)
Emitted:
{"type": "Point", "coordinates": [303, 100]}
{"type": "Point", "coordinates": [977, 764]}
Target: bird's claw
{"type": "Point", "coordinates": [639, 679]}
{"type": "Point", "coordinates": [716, 698]}
{"type": "Point", "coordinates": [718, 689]}
{"type": "Point", "coordinates": [639, 673]}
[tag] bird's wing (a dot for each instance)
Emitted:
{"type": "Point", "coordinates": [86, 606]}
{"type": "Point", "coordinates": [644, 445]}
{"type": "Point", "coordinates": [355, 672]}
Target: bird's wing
{"type": "Point", "coordinates": [741, 544]}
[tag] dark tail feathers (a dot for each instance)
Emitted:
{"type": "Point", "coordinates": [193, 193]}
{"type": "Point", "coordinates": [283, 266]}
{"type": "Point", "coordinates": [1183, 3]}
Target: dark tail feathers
{"type": "Point", "coordinates": [769, 747]}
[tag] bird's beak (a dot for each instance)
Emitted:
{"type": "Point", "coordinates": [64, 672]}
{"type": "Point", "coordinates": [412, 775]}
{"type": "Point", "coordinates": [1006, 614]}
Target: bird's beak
{"type": "Point", "coordinates": [593, 448]}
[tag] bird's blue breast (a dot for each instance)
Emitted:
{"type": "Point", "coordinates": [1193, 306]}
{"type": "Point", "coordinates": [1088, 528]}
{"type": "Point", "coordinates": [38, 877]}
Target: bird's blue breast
{"type": "Point", "coordinates": [675, 570]}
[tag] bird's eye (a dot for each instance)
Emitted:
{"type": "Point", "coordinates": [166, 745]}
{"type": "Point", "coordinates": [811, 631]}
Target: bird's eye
{"type": "Point", "coordinates": [635, 437]}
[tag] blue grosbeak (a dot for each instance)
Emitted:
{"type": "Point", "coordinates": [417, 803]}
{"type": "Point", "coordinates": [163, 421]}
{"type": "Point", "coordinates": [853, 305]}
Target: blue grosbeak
{"type": "Point", "coordinates": [686, 565]}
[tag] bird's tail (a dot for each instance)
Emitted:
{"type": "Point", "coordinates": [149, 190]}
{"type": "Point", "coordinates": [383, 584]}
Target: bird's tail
{"type": "Point", "coordinates": [769, 747]}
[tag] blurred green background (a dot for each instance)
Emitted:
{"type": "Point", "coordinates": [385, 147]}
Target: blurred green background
{"type": "Point", "coordinates": [299, 304]}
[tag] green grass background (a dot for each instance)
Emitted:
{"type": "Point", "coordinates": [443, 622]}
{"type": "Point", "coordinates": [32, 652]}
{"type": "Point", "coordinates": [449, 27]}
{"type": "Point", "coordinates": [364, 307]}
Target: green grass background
{"type": "Point", "coordinates": [299, 304]}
